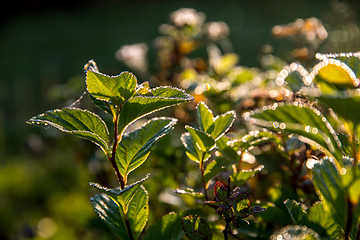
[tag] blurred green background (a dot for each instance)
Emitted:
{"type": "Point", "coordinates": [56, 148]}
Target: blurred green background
{"type": "Point", "coordinates": [44, 175]}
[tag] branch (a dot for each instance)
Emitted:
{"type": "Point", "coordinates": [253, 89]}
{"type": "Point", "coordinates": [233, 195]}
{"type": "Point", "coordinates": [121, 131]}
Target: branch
{"type": "Point", "coordinates": [112, 159]}
{"type": "Point", "coordinates": [201, 166]}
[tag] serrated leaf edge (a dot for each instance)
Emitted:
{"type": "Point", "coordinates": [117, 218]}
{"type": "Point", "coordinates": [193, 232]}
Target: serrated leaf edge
{"type": "Point", "coordinates": [34, 121]}
{"type": "Point", "coordinates": [108, 76]}
{"type": "Point", "coordinates": [117, 191]}
{"type": "Point", "coordinates": [269, 124]}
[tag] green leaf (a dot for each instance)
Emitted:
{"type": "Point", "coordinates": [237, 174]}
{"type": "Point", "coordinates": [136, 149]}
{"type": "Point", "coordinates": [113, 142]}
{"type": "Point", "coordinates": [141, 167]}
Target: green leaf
{"type": "Point", "coordinates": [203, 141]}
{"type": "Point", "coordinates": [217, 126]}
{"type": "Point", "coordinates": [191, 150]}
{"type": "Point", "coordinates": [122, 196]}
{"type": "Point", "coordinates": [215, 167]}
{"type": "Point", "coordinates": [296, 232]}
{"type": "Point", "coordinates": [140, 106]}
{"type": "Point", "coordinates": [144, 89]}
{"type": "Point", "coordinates": [298, 118]}
{"type": "Point", "coordinates": [323, 223]}
{"type": "Point", "coordinates": [108, 211]}
{"type": "Point", "coordinates": [346, 147]}
{"type": "Point", "coordinates": [189, 192]}
{"type": "Point", "coordinates": [254, 138]}
{"type": "Point", "coordinates": [225, 63]}
{"type": "Point", "coordinates": [297, 212]}
{"type": "Point", "coordinates": [346, 105]}
{"type": "Point", "coordinates": [205, 118]}
{"type": "Point", "coordinates": [169, 226]}
{"type": "Point", "coordinates": [114, 89]}
{"type": "Point", "coordinates": [335, 73]}
{"type": "Point", "coordinates": [240, 201]}
{"type": "Point", "coordinates": [228, 151]}
{"type": "Point", "coordinates": [316, 218]}
{"type": "Point", "coordinates": [351, 182]}
{"type": "Point", "coordinates": [327, 180]}
{"type": "Point", "coordinates": [196, 228]}
{"type": "Point", "coordinates": [78, 122]}
{"type": "Point", "coordinates": [138, 211]}
{"type": "Point", "coordinates": [294, 81]}
{"type": "Point", "coordinates": [103, 105]}
{"type": "Point", "coordinates": [112, 214]}
{"type": "Point", "coordinates": [135, 146]}
{"type": "Point", "coordinates": [222, 124]}
{"type": "Point", "coordinates": [241, 177]}
{"type": "Point", "coordinates": [352, 61]}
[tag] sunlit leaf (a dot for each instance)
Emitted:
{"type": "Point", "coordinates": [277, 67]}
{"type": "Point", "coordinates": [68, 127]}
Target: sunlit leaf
{"type": "Point", "coordinates": [140, 106]}
{"type": "Point", "coordinates": [107, 209]}
{"type": "Point", "coordinates": [226, 63]}
{"type": "Point", "coordinates": [214, 126]}
{"type": "Point", "coordinates": [351, 182]}
{"type": "Point", "coordinates": [255, 138]}
{"type": "Point", "coordinates": [78, 122]}
{"type": "Point", "coordinates": [114, 89]}
{"type": "Point", "coordinates": [323, 223]}
{"type": "Point", "coordinates": [316, 218]}
{"type": "Point", "coordinates": [196, 228]}
{"type": "Point", "coordinates": [327, 180]}
{"type": "Point", "coordinates": [122, 196]}
{"type": "Point", "coordinates": [135, 146]}
{"type": "Point", "coordinates": [306, 121]}
{"type": "Point", "coordinates": [138, 211]}
{"type": "Point", "coordinates": [215, 167]}
{"type": "Point", "coordinates": [202, 140]}
{"type": "Point", "coordinates": [205, 118]}
{"type": "Point", "coordinates": [222, 124]}
{"type": "Point", "coordinates": [346, 105]}
{"type": "Point", "coordinates": [104, 105]}
{"type": "Point", "coordinates": [295, 232]}
{"type": "Point", "coordinates": [297, 212]}
{"type": "Point", "coordinates": [242, 176]}
{"type": "Point", "coordinates": [335, 74]}
{"type": "Point", "coordinates": [189, 192]}
{"type": "Point", "coordinates": [191, 149]}
{"type": "Point", "coordinates": [144, 89]}
{"type": "Point", "coordinates": [112, 214]}
{"type": "Point", "coordinates": [352, 61]}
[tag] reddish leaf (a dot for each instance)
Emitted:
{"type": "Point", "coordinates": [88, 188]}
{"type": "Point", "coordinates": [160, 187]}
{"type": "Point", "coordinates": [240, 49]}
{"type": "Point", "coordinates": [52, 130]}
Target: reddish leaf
{"type": "Point", "coordinates": [220, 191]}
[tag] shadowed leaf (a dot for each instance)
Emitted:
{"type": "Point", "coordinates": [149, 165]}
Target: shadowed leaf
{"type": "Point", "coordinates": [196, 228]}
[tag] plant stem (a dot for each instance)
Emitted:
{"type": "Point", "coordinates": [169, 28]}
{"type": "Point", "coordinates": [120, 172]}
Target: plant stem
{"type": "Point", "coordinates": [354, 147]}
{"type": "Point", "coordinates": [226, 230]}
{"type": "Point", "coordinates": [349, 220]}
{"type": "Point", "coordinates": [240, 162]}
{"type": "Point", "coordinates": [228, 190]}
{"type": "Point", "coordinates": [201, 166]}
{"type": "Point", "coordinates": [128, 227]}
{"type": "Point", "coordinates": [358, 232]}
{"type": "Point", "coordinates": [112, 159]}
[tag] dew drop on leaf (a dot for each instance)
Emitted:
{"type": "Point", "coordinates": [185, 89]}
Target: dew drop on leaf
{"type": "Point", "coordinates": [275, 124]}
